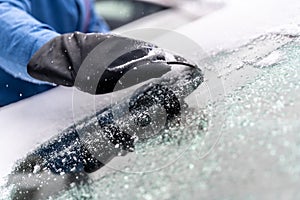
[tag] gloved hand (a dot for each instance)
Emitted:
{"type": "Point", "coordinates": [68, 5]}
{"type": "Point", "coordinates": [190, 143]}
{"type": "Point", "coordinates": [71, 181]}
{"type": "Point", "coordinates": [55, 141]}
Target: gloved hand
{"type": "Point", "coordinates": [59, 61]}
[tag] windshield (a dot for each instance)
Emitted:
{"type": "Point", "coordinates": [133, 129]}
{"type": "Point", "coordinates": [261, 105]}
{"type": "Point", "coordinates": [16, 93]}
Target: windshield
{"type": "Point", "coordinates": [259, 146]}
{"type": "Point", "coordinates": [249, 135]}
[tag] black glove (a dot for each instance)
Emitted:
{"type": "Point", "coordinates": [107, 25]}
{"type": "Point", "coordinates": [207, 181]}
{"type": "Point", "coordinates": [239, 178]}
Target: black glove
{"type": "Point", "coordinates": [60, 60]}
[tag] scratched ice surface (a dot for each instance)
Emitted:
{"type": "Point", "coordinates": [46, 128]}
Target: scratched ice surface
{"type": "Point", "coordinates": [245, 145]}
{"type": "Point", "coordinates": [258, 154]}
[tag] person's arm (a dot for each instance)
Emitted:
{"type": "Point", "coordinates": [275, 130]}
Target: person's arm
{"type": "Point", "coordinates": [56, 58]}
{"type": "Point", "coordinates": [21, 35]}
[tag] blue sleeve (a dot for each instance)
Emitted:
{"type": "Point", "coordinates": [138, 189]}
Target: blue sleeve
{"type": "Point", "coordinates": [21, 35]}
